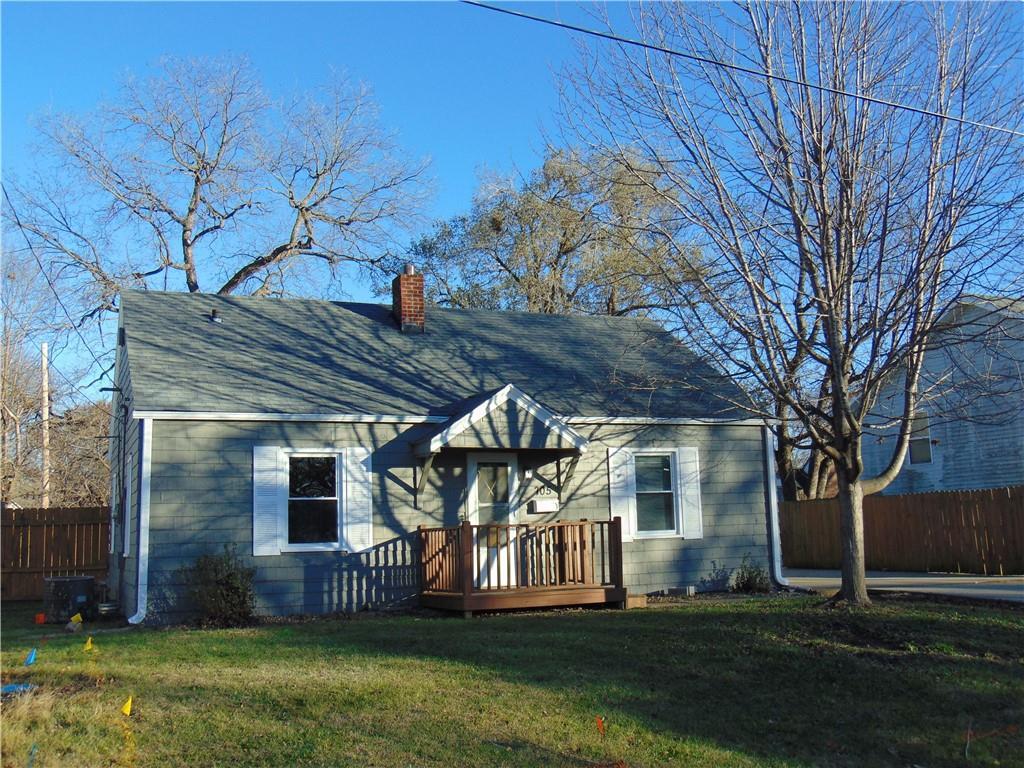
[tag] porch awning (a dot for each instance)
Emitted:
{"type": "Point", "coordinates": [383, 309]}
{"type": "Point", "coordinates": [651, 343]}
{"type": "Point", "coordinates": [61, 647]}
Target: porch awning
{"type": "Point", "coordinates": [508, 419]}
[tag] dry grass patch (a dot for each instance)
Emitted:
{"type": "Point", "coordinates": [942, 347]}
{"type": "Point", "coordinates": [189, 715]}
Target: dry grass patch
{"type": "Point", "coordinates": [733, 682]}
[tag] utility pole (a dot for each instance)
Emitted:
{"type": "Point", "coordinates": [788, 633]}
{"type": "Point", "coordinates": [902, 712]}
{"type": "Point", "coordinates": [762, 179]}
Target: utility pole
{"type": "Point", "coordinates": [46, 425]}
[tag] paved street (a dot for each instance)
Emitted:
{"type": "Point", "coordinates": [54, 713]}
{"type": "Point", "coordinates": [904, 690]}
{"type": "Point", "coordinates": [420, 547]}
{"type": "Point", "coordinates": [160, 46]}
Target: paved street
{"type": "Point", "coordinates": [954, 585]}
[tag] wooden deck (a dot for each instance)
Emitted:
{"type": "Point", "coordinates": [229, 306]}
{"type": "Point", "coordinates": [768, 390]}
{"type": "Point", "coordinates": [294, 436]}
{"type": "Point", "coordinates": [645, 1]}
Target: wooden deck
{"type": "Point", "coordinates": [493, 567]}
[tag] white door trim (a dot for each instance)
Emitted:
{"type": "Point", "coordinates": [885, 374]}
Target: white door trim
{"type": "Point", "coordinates": [485, 559]}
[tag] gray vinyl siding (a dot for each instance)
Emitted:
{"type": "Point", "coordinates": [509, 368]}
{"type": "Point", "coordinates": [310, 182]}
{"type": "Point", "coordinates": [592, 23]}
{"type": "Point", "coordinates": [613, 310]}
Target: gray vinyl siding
{"type": "Point", "coordinates": [732, 500]}
{"type": "Point", "coordinates": [975, 402]}
{"type": "Point", "coordinates": [122, 577]}
{"type": "Point", "coordinates": [201, 500]}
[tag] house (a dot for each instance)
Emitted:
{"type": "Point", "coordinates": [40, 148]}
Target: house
{"type": "Point", "coordinates": [968, 432]}
{"type": "Point", "coordinates": [360, 455]}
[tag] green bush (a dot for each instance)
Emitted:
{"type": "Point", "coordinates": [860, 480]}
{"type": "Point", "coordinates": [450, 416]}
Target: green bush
{"type": "Point", "coordinates": [751, 577]}
{"type": "Point", "coordinates": [220, 588]}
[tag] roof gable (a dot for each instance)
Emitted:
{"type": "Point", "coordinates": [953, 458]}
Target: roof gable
{"type": "Point", "coordinates": [495, 427]}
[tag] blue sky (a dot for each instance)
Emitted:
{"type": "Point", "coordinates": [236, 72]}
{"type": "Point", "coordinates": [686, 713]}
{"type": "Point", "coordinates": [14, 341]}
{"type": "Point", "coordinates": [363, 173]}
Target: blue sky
{"type": "Point", "coordinates": [464, 86]}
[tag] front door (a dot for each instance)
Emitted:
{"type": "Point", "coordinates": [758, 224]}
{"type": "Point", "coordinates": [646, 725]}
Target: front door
{"type": "Point", "coordinates": [492, 487]}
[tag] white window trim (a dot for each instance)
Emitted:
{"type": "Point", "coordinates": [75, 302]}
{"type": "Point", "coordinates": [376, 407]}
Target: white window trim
{"type": "Point", "coordinates": [339, 485]}
{"type": "Point", "coordinates": [927, 436]}
{"type": "Point", "coordinates": [677, 497]}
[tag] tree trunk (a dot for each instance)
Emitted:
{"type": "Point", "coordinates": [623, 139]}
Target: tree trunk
{"type": "Point", "coordinates": [851, 526]}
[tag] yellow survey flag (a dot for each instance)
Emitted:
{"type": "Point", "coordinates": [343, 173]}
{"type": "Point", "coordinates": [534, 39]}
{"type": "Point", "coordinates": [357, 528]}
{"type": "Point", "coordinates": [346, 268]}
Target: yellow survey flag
{"type": "Point", "coordinates": [88, 645]}
{"type": "Point", "coordinates": [76, 619]}
{"type": "Point", "coordinates": [126, 710]}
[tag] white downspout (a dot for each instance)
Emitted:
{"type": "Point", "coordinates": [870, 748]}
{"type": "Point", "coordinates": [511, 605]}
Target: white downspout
{"type": "Point", "coordinates": [773, 508]}
{"type": "Point", "coordinates": [143, 584]}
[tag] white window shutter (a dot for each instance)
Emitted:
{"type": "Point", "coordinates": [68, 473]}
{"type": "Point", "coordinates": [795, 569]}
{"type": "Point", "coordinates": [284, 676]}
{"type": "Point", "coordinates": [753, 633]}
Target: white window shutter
{"type": "Point", "coordinates": [622, 489]}
{"type": "Point", "coordinates": [688, 465]}
{"type": "Point", "coordinates": [269, 499]}
{"type": "Point", "coordinates": [358, 508]}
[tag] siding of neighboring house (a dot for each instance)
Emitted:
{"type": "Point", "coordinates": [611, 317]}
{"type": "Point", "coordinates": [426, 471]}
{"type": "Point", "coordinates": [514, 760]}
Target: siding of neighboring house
{"type": "Point", "coordinates": [201, 499]}
{"type": "Point", "coordinates": [975, 409]}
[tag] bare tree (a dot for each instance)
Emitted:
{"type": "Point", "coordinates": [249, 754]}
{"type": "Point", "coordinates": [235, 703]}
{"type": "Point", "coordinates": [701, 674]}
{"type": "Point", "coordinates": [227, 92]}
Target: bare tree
{"type": "Point", "coordinates": [196, 179]}
{"type": "Point", "coordinates": [80, 474]}
{"type": "Point", "coordinates": [835, 233]}
{"type": "Point", "coordinates": [26, 317]}
{"type": "Point", "coordinates": [569, 237]}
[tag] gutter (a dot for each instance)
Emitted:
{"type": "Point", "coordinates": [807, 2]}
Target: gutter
{"type": "Point", "coordinates": [775, 543]}
{"type": "Point", "coordinates": [146, 460]}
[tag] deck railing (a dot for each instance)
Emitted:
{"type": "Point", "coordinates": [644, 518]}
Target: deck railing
{"type": "Point", "coordinates": [488, 559]}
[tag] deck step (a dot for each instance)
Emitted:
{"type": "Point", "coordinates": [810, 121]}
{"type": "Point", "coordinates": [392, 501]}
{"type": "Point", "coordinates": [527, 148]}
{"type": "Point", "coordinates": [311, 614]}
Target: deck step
{"type": "Point", "coordinates": [636, 601]}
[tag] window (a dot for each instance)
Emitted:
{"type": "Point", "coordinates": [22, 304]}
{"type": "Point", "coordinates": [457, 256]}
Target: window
{"type": "Point", "coordinates": [655, 494]}
{"type": "Point", "coordinates": [312, 500]}
{"type": "Point", "coordinates": [920, 440]}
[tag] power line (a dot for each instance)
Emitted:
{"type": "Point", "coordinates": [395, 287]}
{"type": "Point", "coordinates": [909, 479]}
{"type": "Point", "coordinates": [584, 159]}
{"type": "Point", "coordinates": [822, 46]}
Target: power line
{"type": "Point", "coordinates": [74, 386]}
{"type": "Point", "coordinates": [49, 282]}
{"type": "Point", "coordinates": [736, 67]}
{"type": "Point", "coordinates": [61, 373]}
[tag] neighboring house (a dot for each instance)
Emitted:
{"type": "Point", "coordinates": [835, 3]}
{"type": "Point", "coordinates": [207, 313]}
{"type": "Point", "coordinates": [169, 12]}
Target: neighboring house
{"type": "Point", "coordinates": [317, 437]}
{"type": "Point", "coordinates": [969, 429]}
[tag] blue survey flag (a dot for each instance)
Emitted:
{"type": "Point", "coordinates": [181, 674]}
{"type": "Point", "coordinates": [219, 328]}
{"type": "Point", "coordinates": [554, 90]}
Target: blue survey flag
{"type": "Point", "coordinates": [31, 658]}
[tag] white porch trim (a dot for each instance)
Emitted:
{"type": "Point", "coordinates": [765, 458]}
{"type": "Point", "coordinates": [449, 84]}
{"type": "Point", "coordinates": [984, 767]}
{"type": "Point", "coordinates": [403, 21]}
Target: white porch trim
{"type": "Point", "coordinates": [146, 459]}
{"type": "Point", "coordinates": [348, 418]}
{"type": "Point", "coordinates": [498, 399]}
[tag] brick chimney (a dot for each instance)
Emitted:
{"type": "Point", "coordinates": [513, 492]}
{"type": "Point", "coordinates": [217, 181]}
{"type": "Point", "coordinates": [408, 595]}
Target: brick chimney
{"type": "Point", "coordinates": [407, 300]}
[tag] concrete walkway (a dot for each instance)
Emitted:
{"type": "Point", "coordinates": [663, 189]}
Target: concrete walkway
{"type": "Point", "coordinates": [951, 584]}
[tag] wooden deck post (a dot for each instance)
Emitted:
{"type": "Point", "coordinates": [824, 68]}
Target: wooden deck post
{"type": "Point", "coordinates": [615, 551]}
{"type": "Point", "coordinates": [466, 558]}
{"type": "Point", "coordinates": [421, 539]}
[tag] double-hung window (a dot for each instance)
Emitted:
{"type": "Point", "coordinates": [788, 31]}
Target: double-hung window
{"type": "Point", "coordinates": [655, 494]}
{"type": "Point", "coordinates": [313, 500]}
{"type": "Point", "coordinates": [920, 440]}
{"type": "Point", "coordinates": [655, 491]}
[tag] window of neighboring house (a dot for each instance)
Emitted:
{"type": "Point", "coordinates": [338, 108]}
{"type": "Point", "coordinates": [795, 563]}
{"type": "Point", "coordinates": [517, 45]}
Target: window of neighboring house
{"type": "Point", "coordinates": [313, 500]}
{"type": "Point", "coordinates": [920, 440]}
{"type": "Point", "coordinates": [655, 494]}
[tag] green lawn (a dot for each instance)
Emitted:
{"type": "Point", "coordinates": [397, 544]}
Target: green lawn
{"type": "Point", "coordinates": [709, 682]}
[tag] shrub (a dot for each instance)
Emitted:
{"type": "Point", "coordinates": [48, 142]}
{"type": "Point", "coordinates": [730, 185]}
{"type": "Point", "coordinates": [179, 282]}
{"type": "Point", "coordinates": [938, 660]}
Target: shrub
{"type": "Point", "coordinates": [220, 588]}
{"type": "Point", "coordinates": [751, 577]}
{"type": "Point", "coordinates": [717, 579]}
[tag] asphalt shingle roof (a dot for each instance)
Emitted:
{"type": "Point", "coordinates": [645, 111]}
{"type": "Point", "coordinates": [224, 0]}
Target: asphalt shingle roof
{"type": "Point", "coordinates": [306, 356]}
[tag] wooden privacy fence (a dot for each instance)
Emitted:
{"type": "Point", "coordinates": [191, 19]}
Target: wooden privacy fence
{"type": "Point", "coordinates": [59, 541]}
{"type": "Point", "coordinates": [949, 532]}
